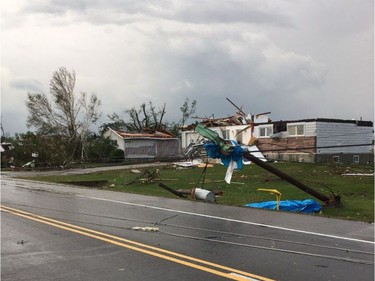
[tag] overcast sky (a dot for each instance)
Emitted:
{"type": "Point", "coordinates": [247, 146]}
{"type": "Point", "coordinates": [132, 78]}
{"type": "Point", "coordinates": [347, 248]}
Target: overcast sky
{"type": "Point", "coordinates": [298, 59]}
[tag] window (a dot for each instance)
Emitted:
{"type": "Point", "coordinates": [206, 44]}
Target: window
{"type": "Point", "coordinates": [296, 130]}
{"type": "Point", "coordinates": [279, 127]}
{"type": "Point", "coordinates": [225, 134]}
{"type": "Point", "coordinates": [355, 158]}
{"type": "Point", "coordinates": [265, 131]}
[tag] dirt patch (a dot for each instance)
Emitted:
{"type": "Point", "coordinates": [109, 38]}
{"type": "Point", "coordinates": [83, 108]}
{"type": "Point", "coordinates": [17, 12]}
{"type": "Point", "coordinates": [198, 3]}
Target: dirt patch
{"type": "Point", "coordinates": [98, 183]}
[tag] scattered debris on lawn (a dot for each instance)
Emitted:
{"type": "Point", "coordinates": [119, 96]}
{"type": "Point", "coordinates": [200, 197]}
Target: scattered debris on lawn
{"type": "Point", "coordinates": [148, 176]}
{"type": "Point", "coordinates": [358, 174]}
{"type": "Point", "coordinates": [190, 164]}
{"type": "Point", "coordinates": [135, 171]}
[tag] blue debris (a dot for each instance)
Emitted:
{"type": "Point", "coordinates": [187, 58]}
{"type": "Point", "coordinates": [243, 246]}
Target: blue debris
{"type": "Point", "coordinates": [234, 153]}
{"type": "Point", "coordinates": [307, 206]}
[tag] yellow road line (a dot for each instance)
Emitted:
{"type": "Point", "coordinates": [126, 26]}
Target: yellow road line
{"type": "Point", "coordinates": [160, 253]}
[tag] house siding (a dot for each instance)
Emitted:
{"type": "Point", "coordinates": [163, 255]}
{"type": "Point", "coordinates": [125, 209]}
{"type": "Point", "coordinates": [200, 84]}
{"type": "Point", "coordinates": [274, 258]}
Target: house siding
{"type": "Point", "coordinates": [339, 134]}
{"type": "Point", "coordinates": [139, 148]}
{"type": "Point", "coordinates": [225, 132]}
{"type": "Point", "coordinates": [153, 148]}
{"type": "Point", "coordinates": [115, 137]}
{"type": "Point", "coordinates": [145, 147]}
{"type": "Point", "coordinates": [310, 129]}
{"type": "Point", "coordinates": [323, 142]}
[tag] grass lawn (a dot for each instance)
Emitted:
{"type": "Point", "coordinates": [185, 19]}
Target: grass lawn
{"type": "Point", "coordinates": [357, 192]}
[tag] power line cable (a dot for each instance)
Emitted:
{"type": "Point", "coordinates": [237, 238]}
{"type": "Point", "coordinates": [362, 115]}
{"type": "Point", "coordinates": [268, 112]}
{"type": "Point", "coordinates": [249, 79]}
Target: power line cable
{"type": "Point", "coordinates": [316, 147]}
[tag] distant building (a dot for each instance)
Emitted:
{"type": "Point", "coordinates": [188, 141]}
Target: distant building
{"type": "Point", "coordinates": [150, 144]}
{"type": "Point", "coordinates": [6, 151]}
{"type": "Point", "coordinates": [317, 140]}
{"type": "Point", "coordinates": [307, 140]}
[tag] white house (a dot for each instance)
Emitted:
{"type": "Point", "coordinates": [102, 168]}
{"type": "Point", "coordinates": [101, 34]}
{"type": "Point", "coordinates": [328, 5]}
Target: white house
{"type": "Point", "coordinates": [150, 144]}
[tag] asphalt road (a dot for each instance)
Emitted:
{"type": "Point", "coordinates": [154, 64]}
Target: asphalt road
{"type": "Point", "coordinates": [60, 232]}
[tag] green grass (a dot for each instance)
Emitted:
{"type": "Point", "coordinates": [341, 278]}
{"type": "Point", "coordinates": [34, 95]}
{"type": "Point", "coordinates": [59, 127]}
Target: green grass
{"type": "Point", "coordinates": [357, 192]}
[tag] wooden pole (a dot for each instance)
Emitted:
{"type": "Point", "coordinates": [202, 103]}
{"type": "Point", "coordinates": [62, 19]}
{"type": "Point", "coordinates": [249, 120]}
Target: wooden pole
{"type": "Point", "coordinates": [327, 200]}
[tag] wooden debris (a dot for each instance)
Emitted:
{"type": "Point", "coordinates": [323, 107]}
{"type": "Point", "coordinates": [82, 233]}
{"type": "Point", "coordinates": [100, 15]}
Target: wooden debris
{"type": "Point", "coordinates": [135, 171]}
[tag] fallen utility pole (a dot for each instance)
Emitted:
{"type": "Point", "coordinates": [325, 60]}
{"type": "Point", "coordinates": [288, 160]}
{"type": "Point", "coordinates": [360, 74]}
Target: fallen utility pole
{"type": "Point", "coordinates": [333, 200]}
{"type": "Point", "coordinates": [171, 190]}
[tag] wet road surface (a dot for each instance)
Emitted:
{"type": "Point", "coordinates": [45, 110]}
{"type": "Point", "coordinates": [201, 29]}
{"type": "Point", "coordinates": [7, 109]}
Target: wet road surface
{"type": "Point", "coordinates": [60, 232]}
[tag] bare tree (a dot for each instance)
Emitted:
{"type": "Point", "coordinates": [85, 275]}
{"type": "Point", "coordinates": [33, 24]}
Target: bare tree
{"type": "Point", "coordinates": [63, 113]}
{"type": "Point", "coordinates": [146, 117]}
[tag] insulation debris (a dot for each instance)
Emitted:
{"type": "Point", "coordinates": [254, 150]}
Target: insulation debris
{"type": "Point", "coordinates": [146, 228]}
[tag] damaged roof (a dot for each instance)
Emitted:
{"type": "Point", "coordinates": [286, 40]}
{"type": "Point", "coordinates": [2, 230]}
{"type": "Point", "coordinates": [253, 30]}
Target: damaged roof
{"type": "Point", "coordinates": [154, 134]}
{"type": "Point", "coordinates": [237, 119]}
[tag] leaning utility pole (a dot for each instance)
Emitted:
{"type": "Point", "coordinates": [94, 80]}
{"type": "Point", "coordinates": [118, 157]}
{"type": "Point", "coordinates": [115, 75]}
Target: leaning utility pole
{"type": "Point", "coordinates": [328, 200]}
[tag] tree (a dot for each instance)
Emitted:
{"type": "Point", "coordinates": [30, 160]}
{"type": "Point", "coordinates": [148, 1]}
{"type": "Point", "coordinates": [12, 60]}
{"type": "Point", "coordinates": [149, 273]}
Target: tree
{"type": "Point", "coordinates": [44, 150]}
{"type": "Point", "coordinates": [146, 117]}
{"type": "Point", "coordinates": [64, 113]}
{"type": "Point", "coordinates": [100, 148]}
{"type": "Point", "coordinates": [187, 110]}
{"type": "Point", "coordinates": [116, 123]}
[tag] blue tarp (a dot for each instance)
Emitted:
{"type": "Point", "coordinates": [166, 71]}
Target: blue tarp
{"type": "Point", "coordinates": [305, 206]}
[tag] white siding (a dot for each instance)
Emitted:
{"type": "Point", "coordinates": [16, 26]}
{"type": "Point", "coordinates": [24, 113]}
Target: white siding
{"type": "Point", "coordinates": [310, 128]}
{"type": "Point", "coordinates": [115, 137]}
{"type": "Point", "coordinates": [341, 134]}
{"type": "Point", "coordinates": [234, 133]}
{"type": "Point", "coordinates": [188, 137]}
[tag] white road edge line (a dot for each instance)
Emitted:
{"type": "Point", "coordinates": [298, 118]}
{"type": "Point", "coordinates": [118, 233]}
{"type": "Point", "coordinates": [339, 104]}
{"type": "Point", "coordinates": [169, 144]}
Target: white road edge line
{"type": "Point", "coordinates": [228, 219]}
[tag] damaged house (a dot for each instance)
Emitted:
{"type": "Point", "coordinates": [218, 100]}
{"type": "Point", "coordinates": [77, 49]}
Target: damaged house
{"type": "Point", "coordinates": [149, 144]}
{"type": "Point", "coordinates": [234, 127]}
{"type": "Point", "coordinates": [318, 140]}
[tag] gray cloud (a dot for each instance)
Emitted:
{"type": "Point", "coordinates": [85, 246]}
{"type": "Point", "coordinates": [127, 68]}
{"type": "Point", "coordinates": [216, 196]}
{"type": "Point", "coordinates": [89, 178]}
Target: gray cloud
{"type": "Point", "coordinates": [124, 12]}
{"type": "Point", "coordinates": [288, 57]}
{"type": "Point", "coordinates": [24, 84]}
